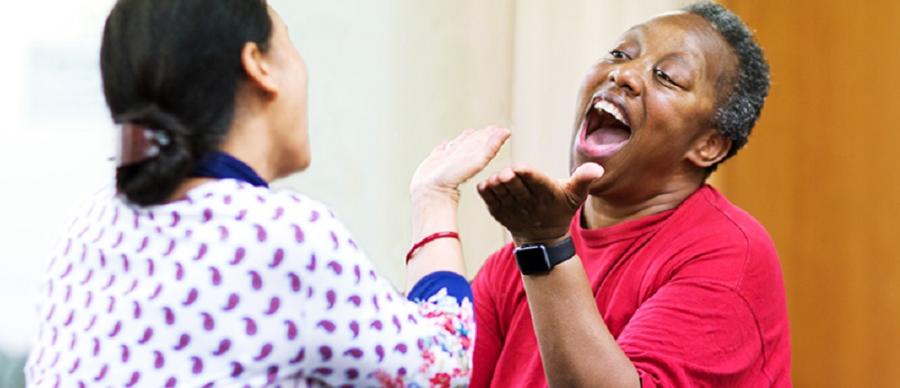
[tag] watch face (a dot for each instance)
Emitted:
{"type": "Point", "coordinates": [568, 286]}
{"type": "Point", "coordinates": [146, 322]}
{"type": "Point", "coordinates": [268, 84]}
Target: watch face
{"type": "Point", "coordinates": [533, 259]}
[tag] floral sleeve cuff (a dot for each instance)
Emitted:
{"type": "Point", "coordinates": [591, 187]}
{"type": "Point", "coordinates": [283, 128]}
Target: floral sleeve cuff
{"type": "Point", "coordinates": [455, 285]}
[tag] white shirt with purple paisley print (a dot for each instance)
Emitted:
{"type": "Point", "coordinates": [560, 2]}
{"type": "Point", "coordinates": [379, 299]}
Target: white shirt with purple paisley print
{"type": "Point", "coordinates": [234, 286]}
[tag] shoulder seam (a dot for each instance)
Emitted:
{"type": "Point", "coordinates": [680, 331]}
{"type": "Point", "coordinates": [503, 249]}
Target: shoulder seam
{"type": "Point", "coordinates": [743, 272]}
{"type": "Point", "coordinates": [739, 286]}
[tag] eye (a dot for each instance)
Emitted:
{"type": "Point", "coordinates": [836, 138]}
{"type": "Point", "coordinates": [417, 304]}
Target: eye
{"type": "Point", "coordinates": [664, 77]}
{"type": "Point", "coordinates": [618, 54]}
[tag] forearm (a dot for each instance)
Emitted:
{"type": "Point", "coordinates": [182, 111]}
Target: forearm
{"type": "Point", "coordinates": [576, 347]}
{"type": "Point", "coordinates": [432, 213]}
{"type": "Point", "coordinates": [434, 189]}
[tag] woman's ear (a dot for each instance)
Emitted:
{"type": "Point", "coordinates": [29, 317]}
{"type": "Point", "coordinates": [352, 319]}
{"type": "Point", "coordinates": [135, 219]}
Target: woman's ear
{"type": "Point", "coordinates": [258, 69]}
{"type": "Point", "coordinates": [709, 149]}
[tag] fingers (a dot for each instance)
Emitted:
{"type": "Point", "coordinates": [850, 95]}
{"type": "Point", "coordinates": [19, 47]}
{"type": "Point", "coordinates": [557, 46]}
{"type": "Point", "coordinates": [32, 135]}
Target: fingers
{"type": "Point", "coordinates": [515, 186]}
{"type": "Point", "coordinates": [487, 195]}
{"type": "Point", "coordinates": [494, 193]}
{"type": "Point", "coordinates": [497, 136]}
{"type": "Point", "coordinates": [443, 145]}
{"type": "Point", "coordinates": [519, 187]}
{"type": "Point", "coordinates": [447, 144]}
{"type": "Point", "coordinates": [541, 186]}
{"type": "Point", "coordinates": [509, 189]}
{"type": "Point", "coordinates": [542, 189]}
{"type": "Point", "coordinates": [478, 147]}
{"type": "Point", "coordinates": [453, 162]}
{"type": "Point", "coordinates": [580, 181]}
{"type": "Point", "coordinates": [480, 144]}
{"type": "Point", "coordinates": [489, 139]}
{"type": "Point", "coordinates": [505, 190]}
{"type": "Point", "coordinates": [533, 206]}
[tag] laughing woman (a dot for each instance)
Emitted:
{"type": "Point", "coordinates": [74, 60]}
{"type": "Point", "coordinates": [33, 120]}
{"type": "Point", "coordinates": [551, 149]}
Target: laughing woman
{"type": "Point", "coordinates": [193, 272]}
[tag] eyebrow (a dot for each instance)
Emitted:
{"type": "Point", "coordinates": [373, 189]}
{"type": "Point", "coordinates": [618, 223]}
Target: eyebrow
{"type": "Point", "coordinates": [684, 57]}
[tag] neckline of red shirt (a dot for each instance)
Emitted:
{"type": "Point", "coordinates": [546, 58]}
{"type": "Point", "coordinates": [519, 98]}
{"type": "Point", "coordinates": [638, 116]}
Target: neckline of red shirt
{"type": "Point", "coordinates": [600, 237]}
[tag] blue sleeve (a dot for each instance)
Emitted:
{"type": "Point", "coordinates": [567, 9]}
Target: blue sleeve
{"type": "Point", "coordinates": [457, 286]}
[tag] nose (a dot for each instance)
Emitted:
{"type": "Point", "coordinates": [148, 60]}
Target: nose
{"type": "Point", "coordinates": [627, 77]}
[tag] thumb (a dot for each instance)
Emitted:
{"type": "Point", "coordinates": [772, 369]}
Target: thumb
{"type": "Point", "coordinates": [581, 179]}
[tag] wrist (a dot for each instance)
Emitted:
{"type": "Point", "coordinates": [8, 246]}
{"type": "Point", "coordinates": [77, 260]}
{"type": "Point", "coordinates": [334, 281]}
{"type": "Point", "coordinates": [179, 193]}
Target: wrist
{"type": "Point", "coordinates": [428, 239]}
{"type": "Point", "coordinates": [538, 259]}
{"type": "Point", "coordinates": [433, 212]}
{"type": "Point", "coordinates": [550, 240]}
{"type": "Point", "coordinates": [428, 195]}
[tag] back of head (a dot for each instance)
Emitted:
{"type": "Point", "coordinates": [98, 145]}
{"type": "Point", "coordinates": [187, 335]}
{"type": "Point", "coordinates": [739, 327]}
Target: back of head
{"type": "Point", "coordinates": [174, 66]}
{"type": "Point", "coordinates": [742, 101]}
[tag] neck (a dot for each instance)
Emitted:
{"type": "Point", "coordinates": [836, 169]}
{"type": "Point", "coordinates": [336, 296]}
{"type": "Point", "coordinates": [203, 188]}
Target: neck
{"type": "Point", "coordinates": [601, 212]}
{"type": "Point", "coordinates": [247, 141]}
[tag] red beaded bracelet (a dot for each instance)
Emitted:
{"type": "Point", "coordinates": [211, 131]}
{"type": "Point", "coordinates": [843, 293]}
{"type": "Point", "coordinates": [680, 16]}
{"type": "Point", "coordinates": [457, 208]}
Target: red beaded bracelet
{"type": "Point", "coordinates": [428, 239]}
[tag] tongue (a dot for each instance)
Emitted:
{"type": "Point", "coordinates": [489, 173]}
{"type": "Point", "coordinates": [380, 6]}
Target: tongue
{"type": "Point", "coordinates": [605, 136]}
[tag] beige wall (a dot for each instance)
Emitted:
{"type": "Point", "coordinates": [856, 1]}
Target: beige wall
{"type": "Point", "coordinates": [55, 142]}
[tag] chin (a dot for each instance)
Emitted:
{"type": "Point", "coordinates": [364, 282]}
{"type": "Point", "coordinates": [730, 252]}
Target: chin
{"type": "Point", "coordinates": [293, 164]}
{"type": "Point", "coordinates": [301, 164]}
{"type": "Point", "coordinates": [301, 156]}
{"type": "Point", "coordinates": [601, 187]}
{"type": "Point", "coordinates": [304, 165]}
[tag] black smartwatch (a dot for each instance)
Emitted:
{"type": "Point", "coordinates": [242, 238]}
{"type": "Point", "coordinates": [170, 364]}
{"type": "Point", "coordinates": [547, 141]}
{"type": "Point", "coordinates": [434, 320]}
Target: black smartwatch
{"type": "Point", "coordinates": [541, 258]}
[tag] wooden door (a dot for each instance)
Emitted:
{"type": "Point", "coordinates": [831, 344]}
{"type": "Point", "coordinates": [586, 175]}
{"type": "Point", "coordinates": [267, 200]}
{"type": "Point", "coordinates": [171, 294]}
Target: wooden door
{"type": "Point", "coordinates": [822, 173]}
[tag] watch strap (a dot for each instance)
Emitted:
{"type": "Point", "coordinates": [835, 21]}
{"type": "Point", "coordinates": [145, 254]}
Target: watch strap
{"type": "Point", "coordinates": [560, 252]}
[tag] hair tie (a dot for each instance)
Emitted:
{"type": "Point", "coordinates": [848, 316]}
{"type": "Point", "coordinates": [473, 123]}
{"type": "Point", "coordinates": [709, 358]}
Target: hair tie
{"type": "Point", "coordinates": [139, 143]}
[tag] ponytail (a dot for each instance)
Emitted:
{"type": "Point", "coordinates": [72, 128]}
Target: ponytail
{"type": "Point", "coordinates": [154, 179]}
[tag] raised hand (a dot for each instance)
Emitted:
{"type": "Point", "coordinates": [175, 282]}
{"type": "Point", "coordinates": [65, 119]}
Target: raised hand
{"type": "Point", "coordinates": [435, 197]}
{"type": "Point", "coordinates": [453, 162]}
{"type": "Point", "coordinates": [533, 207]}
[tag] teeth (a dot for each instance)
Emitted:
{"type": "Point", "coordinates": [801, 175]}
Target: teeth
{"type": "Point", "coordinates": [608, 107]}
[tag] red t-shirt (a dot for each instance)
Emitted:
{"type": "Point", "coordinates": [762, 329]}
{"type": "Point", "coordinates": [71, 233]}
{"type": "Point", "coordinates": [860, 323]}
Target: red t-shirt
{"type": "Point", "coordinates": [694, 297]}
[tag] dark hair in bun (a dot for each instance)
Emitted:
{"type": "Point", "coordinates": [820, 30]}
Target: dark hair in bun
{"type": "Point", "coordinates": [174, 66]}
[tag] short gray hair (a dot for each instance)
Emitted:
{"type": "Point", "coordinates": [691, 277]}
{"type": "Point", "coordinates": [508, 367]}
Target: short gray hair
{"type": "Point", "coordinates": [737, 112]}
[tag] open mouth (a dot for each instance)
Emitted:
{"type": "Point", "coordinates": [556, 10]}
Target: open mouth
{"type": "Point", "coordinates": [604, 130]}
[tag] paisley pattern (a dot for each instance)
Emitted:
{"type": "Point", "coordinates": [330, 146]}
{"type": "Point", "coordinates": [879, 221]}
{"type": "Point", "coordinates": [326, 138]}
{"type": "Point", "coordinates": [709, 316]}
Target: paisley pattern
{"type": "Point", "coordinates": [235, 286]}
